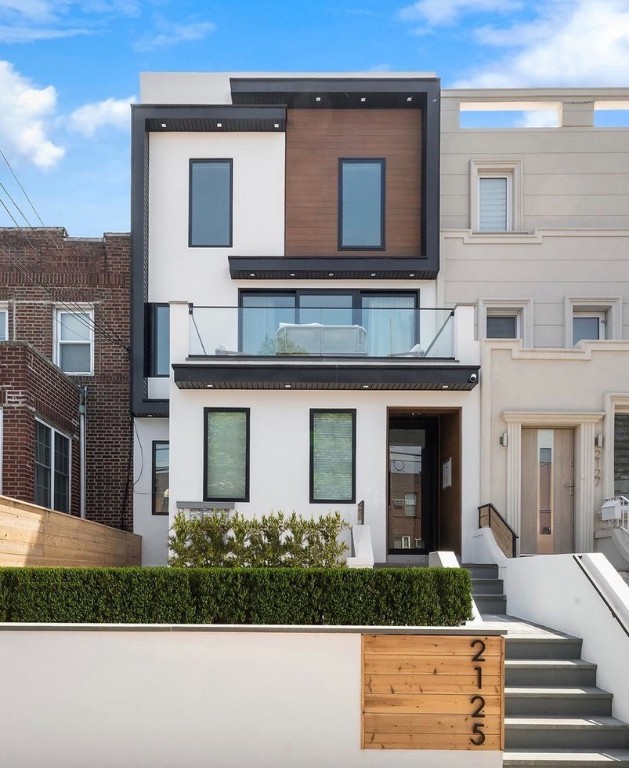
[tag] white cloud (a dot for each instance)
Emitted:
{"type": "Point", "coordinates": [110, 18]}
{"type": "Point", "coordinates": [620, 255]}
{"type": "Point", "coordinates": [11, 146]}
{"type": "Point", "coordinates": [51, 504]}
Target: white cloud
{"type": "Point", "coordinates": [437, 13]}
{"type": "Point", "coordinates": [568, 43]}
{"type": "Point", "coordinates": [23, 116]}
{"type": "Point", "coordinates": [24, 21]}
{"type": "Point", "coordinates": [178, 33]}
{"type": "Point", "coordinates": [108, 113]}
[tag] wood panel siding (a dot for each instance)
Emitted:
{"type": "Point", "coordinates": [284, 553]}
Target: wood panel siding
{"type": "Point", "coordinates": [34, 536]}
{"type": "Point", "coordinates": [433, 692]}
{"type": "Point", "coordinates": [315, 140]}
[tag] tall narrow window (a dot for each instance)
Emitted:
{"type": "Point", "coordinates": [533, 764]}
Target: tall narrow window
{"type": "Point", "coordinates": [226, 454]}
{"type": "Point", "coordinates": [158, 354]}
{"type": "Point", "coordinates": [361, 203]}
{"type": "Point", "coordinates": [332, 456]}
{"type": "Point", "coordinates": [493, 204]}
{"type": "Point", "coordinates": [160, 477]}
{"type": "Point", "coordinates": [210, 203]}
{"type": "Point", "coordinates": [52, 468]}
{"type": "Point", "coordinates": [4, 325]}
{"type": "Point", "coordinates": [74, 349]}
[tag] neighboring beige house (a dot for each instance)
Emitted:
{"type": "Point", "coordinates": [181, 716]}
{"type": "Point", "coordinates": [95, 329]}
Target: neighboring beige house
{"type": "Point", "coordinates": [535, 235]}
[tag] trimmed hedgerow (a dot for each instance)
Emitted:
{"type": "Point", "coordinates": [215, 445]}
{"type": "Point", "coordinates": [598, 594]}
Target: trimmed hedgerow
{"type": "Point", "coordinates": [318, 596]}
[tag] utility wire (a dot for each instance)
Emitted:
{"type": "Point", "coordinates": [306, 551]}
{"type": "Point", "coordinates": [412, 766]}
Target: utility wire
{"type": "Point", "coordinates": [70, 305]}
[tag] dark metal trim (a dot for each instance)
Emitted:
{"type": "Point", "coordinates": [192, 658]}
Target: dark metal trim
{"type": "Point", "coordinates": [381, 161]}
{"type": "Point", "coordinates": [623, 625]}
{"type": "Point", "coordinates": [247, 412]}
{"type": "Point", "coordinates": [330, 268]}
{"type": "Point", "coordinates": [493, 511]}
{"type": "Point", "coordinates": [154, 447]}
{"type": "Point", "coordinates": [211, 161]}
{"type": "Point", "coordinates": [324, 373]}
{"type": "Point", "coordinates": [313, 412]}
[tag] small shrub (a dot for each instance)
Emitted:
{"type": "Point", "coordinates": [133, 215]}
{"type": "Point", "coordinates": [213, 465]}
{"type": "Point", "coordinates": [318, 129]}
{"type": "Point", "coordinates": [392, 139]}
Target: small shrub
{"type": "Point", "coordinates": [272, 541]}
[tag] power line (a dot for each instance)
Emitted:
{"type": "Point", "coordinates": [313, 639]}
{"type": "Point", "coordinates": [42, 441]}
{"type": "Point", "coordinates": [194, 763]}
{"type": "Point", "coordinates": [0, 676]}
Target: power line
{"type": "Point", "coordinates": [105, 330]}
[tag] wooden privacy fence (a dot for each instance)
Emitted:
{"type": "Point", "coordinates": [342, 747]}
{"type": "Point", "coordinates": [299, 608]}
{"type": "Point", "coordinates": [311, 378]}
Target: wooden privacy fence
{"type": "Point", "coordinates": [35, 536]}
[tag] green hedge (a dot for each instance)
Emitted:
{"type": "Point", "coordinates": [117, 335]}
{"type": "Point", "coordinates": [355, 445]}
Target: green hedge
{"type": "Point", "coordinates": [385, 596]}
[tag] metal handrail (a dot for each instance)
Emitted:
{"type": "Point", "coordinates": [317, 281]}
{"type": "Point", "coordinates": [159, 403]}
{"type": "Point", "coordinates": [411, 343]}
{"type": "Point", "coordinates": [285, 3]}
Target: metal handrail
{"type": "Point", "coordinates": [492, 510]}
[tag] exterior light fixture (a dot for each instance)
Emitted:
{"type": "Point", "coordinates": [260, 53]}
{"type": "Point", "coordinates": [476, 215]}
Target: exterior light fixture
{"type": "Point", "coordinates": [210, 386]}
{"type": "Point", "coordinates": [412, 274]}
{"type": "Point", "coordinates": [330, 274]}
{"type": "Point", "coordinates": [598, 440]}
{"type": "Point", "coordinates": [292, 274]}
{"type": "Point", "coordinates": [444, 386]}
{"type": "Point", "coordinates": [252, 274]}
{"type": "Point", "coordinates": [317, 98]}
{"type": "Point", "coordinates": [276, 125]}
{"type": "Point", "coordinates": [219, 125]}
{"type": "Point", "coordinates": [363, 99]}
{"type": "Point", "coordinates": [365, 386]}
{"type": "Point", "coordinates": [287, 386]}
{"type": "Point", "coordinates": [163, 125]}
{"type": "Point", "coordinates": [373, 274]}
{"type": "Point", "coordinates": [409, 98]}
{"type": "Point", "coordinates": [504, 439]}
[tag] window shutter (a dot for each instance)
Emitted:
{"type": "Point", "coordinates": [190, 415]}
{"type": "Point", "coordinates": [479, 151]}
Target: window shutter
{"type": "Point", "coordinates": [333, 456]}
{"type": "Point", "coordinates": [492, 214]}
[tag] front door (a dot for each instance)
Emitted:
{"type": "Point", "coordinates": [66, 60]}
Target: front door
{"type": "Point", "coordinates": [412, 442]}
{"type": "Point", "coordinates": [547, 508]}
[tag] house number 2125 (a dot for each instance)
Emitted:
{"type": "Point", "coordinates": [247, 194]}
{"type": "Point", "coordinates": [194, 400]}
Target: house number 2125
{"type": "Point", "coordinates": [478, 735]}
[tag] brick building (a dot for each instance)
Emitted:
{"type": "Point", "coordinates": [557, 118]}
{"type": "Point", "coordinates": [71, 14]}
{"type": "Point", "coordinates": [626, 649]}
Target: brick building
{"type": "Point", "coordinates": [64, 372]}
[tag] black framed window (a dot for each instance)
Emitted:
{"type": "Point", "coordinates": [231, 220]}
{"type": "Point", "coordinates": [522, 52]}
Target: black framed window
{"type": "Point", "coordinates": [389, 317]}
{"type": "Point", "coordinates": [52, 468]}
{"type": "Point", "coordinates": [210, 206]}
{"type": "Point", "coordinates": [158, 340]}
{"type": "Point", "coordinates": [333, 456]}
{"type": "Point", "coordinates": [361, 203]}
{"type": "Point", "coordinates": [160, 480]}
{"type": "Point", "coordinates": [226, 454]}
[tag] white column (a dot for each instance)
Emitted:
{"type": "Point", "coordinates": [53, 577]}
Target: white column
{"type": "Point", "coordinates": [514, 474]}
{"type": "Point", "coordinates": [584, 488]}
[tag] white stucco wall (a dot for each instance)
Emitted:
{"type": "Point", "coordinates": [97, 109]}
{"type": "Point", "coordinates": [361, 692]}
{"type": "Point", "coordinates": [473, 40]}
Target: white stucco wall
{"type": "Point", "coordinates": [157, 699]}
{"type": "Point", "coordinates": [201, 275]}
{"type": "Point", "coordinates": [280, 451]}
{"type": "Point", "coordinates": [152, 528]}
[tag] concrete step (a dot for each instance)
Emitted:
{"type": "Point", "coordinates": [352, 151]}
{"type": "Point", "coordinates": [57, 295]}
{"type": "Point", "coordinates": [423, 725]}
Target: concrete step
{"type": "Point", "coordinates": [481, 570]}
{"type": "Point", "coordinates": [551, 758]}
{"type": "Point", "coordinates": [557, 702]}
{"type": "Point", "coordinates": [544, 647]}
{"type": "Point", "coordinates": [496, 604]}
{"type": "Point", "coordinates": [567, 733]}
{"type": "Point", "coordinates": [566, 673]}
{"type": "Point", "coordinates": [487, 586]}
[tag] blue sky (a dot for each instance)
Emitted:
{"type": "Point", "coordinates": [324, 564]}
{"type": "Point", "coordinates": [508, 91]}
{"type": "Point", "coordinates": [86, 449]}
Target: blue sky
{"type": "Point", "coordinates": [70, 68]}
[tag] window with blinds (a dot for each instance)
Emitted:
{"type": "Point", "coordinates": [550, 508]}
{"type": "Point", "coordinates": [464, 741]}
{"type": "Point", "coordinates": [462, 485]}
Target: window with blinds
{"type": "Point", "coordinates": [333, 456]}
{"type": "Point", "coordinates": [493, 204]}
{"type": "Point", "coordinates": [226, 454]}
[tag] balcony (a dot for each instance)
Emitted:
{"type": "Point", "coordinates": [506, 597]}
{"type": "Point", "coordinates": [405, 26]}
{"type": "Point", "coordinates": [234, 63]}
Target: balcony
{"type": "Point", "coordinates": [315, 347]}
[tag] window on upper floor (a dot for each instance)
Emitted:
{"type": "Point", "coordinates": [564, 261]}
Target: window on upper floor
{"type": "Point", "coordinates": [74, 341]}
{"type": "Point", "coordinates": [4, 324]}
{"type": "Point", "coordinates": [506, 319]}
{"type": "Point", "coordinates": [361, 203]}
{"type": "Point", "coordinates": [390, 319]}
{"type": "Point", "coordinates": [332, 456]}
{"type": "Point", "coordinates": [52, 468]}
{"type": "Point", "coordinates": [593, 319]}
{"type": "Point", "coordinates": [226, 465]}
{"type": "Point", "coordinates": [160, 481]}
{"type": "Point", "coordinates": [496, 196]}
{"type": "Point", "coordinates": [210, 204]}
{"type": "Point", "coordinates": [157, 354]}
{"type": "Point", "coordinates": [588, 325]}
{"type": "Point", "coordinates": [502, 326]}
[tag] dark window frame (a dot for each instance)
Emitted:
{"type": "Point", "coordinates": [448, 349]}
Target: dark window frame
{"type": "Point", "coordinates": [154, 446]}
{"type": "Point", "coordinates": [356, 293]}
{"type": "Point", "coordinates": [383, 203]}
{"type": "Point", "coordinates": [199, 160]}
{"type": "Point", "coordinates": [52, 468]}
{"type": "Point", "coordinates": [247, 412]}
{"type": "Point", "coordinates": [151, 340]}
{"type": "Point", "coordinates": [311, 470]}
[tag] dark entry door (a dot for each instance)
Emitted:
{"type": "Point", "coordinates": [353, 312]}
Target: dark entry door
{"type": "Point", "coordinates": [411, 503]}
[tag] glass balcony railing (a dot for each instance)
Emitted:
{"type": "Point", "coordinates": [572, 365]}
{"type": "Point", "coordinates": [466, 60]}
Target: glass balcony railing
{"type": "Point", "coordinates": [321, 331]}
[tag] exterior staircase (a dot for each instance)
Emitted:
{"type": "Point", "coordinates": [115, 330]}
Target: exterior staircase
{"type": "Point", "coordinates": [487, 589]}
{"type": "Point", "coordinates": [554, 713]}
